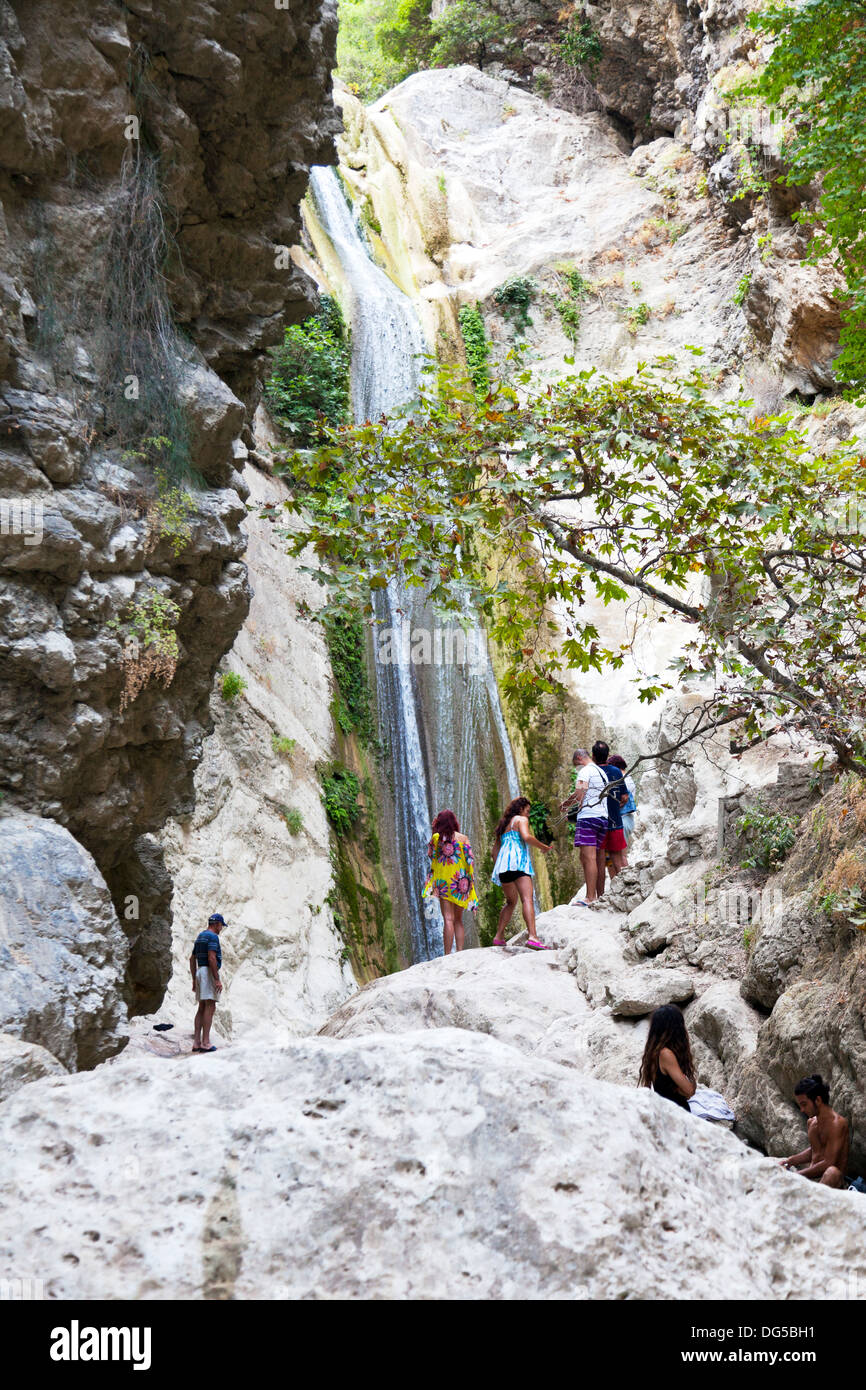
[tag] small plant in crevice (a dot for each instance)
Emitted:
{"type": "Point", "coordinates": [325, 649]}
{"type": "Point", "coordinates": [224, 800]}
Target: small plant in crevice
{"type": "Point", "coordinates": [284, 747]}
{"type": "Point", "coordinates": [568, 302]}
{"type": "Point", "coordinates": [340, 789]}
{"type": "Point", "coordinates": [770, 835]}
{"type": "Point", "coordinates": [150, 648]}
{"type": "Point", "coordinates": [637, 316]}
{"type": "Point", "coordinates": [309, 385]}
{"type": "Point", "coordinates": [514, 297]}
{"type": "Point", "coordinates": [476, 347]}
{"type": "Point", "coordinates": [169, 515]}
{"type": "Point", "coordinates": [580, 46]}
{"type": "Point", "coordinates": [231, 686]}
{"type": "Point", "coordinates": [741, 293]}
{"type": "Point", "coordinates": [293, 818]}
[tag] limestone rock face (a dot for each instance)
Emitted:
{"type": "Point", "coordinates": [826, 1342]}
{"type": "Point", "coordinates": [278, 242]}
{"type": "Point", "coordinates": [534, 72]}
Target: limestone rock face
{"type": "Point", "coordinates": [394, 1167]}
{"type": "Point", "coordinates": [155, 159]}
{"type": "Point", "coordinates": [21, 1062]}
{"type": "Point", "coordinates": [792, 936]}
{"type": "Point", "coordinates": [282, 954]}
{"type": "Point", "coordinates": [62, 950]}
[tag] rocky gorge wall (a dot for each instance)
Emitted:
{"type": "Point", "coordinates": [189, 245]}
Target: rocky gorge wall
{"type": "Point", "coordinates": [153, 159]}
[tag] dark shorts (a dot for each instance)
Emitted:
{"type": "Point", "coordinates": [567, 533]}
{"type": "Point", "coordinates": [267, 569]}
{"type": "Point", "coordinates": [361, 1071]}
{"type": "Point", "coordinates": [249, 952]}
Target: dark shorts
{"type": "Point", "coordinates": [591, 832]}
{"type": "Point", "coordinates": [615, 841]}
{"type": "Point", "coordinates": [512, 875]}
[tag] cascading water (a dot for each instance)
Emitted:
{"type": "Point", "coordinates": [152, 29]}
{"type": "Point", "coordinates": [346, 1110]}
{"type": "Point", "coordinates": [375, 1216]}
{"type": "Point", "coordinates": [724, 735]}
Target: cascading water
{"type": "Point", "coordinates": [440, 718]}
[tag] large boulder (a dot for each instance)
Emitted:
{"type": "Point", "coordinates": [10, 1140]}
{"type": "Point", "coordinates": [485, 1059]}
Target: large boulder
{"type": "Point", "coordinates": [62, 951]}
{"type": "Point", "coordinates": [515, 997]}
{"type": "Point", "coordinates": [21, 1062]}
{"type": "Point", "coordinates": [413, 1167]}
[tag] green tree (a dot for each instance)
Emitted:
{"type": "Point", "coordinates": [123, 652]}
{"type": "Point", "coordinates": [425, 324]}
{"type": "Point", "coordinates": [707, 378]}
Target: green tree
{"type": "Point", "coordinates": [646, 490]}
{"type": "Point", "coordinates": [816, 80]}
{"type": "Point", "coordinates": [309, 385]}
{"type": "Point", "coordinates": [465, 31]}
{"type": "Point", "coordinates": [407, 37]}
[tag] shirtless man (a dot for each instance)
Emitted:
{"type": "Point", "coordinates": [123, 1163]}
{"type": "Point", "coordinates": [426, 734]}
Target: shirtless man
{"type": "Point", "coordinates": [826, 1159]}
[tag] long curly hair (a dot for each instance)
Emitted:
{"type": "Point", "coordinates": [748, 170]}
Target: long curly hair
{"type": "Point", "coordinates": [517, 807]}
{"type": "Point", "coordinates": [667, 1029]}
{"type": "Point", "coordinates": [446, 826]}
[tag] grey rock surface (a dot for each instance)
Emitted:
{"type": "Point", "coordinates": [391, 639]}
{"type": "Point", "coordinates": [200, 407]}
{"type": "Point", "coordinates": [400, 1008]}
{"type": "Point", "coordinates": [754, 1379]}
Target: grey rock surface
{"type": "Point", "coordinates": [62, 950]}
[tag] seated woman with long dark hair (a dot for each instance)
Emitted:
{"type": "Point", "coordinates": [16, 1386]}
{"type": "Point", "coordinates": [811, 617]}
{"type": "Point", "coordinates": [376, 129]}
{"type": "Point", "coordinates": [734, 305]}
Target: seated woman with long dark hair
{"type": "Point", "coordinates": [667, 1066]}
{"type": "Point", "coordinates": [513, 869]}
{"type": "Point", "coordinates": [452, 877]}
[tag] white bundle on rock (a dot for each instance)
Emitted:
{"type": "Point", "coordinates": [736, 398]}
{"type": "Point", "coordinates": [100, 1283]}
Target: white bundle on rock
{"type": "Point", "coordinates": [710, 1105]}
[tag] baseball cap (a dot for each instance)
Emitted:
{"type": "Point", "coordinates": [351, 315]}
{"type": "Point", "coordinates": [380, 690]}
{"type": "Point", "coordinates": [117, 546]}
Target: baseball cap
{"type": "Point", "coordinates": [217, 917]}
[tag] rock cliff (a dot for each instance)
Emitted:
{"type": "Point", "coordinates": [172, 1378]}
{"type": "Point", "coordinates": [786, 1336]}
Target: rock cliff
{"type": "Point", "coordinates": [153, 159]}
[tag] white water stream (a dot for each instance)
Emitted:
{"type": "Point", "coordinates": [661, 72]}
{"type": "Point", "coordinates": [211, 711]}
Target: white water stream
{"type": "Point", "coordinates": [441, 723]}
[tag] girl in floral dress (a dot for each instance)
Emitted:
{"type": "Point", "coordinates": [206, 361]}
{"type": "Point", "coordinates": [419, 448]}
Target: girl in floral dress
{"type": "Point", "coordinates": [451, 879]}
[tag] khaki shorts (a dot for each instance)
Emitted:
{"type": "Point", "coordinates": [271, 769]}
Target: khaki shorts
{"type": "Point", "coordinates": [204, 986]}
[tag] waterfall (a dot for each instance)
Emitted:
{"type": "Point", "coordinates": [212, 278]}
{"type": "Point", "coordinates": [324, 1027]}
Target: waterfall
{"type": "Point", "coordinates": [440, 719]}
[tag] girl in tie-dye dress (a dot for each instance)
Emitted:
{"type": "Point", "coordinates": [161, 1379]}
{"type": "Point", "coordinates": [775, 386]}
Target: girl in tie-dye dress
{"type": "Point", "coordinates": [452, 877]}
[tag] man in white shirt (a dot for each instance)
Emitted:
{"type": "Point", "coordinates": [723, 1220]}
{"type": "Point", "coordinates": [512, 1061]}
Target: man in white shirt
{"type": "Point", "coordinates": [590, 833]}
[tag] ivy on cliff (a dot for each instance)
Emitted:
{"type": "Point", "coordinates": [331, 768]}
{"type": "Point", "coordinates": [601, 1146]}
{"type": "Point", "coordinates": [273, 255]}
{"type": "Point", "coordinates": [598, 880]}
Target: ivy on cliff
{"type": "Point", "coordinates": [815, 80]}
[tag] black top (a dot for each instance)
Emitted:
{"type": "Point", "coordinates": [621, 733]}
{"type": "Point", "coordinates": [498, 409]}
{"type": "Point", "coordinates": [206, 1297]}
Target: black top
{"type": "Point", "coordinates": [614, 809]}
{"type": "Point", "coordinates": [665, 1087]}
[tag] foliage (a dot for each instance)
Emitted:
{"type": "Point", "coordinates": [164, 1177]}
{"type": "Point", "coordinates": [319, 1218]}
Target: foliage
{"type": "Point", "coordinates": [849, 903]}
{"type": "Point", "coordinates": [514, 297]}
{"type": "Point", "coordinates": [538, 813]}
{"type": "Point", "coordinates": [294, 820]}
{"type": "Point", "coordinates": [741, 293]}
{"type": "Point", "coordinates": [542, 85]}
{"type": "Point", "coordinates": [637, 316]}
{"type": "Point", "coordinates": [691, 505]}
{"type": "Point", "coordinates": [309, 385]}
{"type": "Point", "coordinates": [231, 686]}
{"type": "Point", "coordinates": [815, 80]}
{"type": "Point", "coordinates": [581, 45]}
{"type": "Point", "coordinates": [340, 789]}
{"type": "Point", "coordinates": [353, 711]}
{"type": "Point", "coordinates": [464, 32]}
{"type": "Point", "coordinates": [772, 834]}
{"type": "Point", "coordinates": [361, 61]}
{"type": "Point", "coordinates": [282, 745]}
{"type": "Point", "coordinates": [749, 182]}
{"type": "Point", "coordinates": [151, 648]}
{"type": "Point", "coordinates": [152, 623]}
{"type": "Point", "coordinates": [407, 37]}
{"type": "Point", "coordinates": [569, 305]}
{"type": "Point", "coordinates": [477, 348]}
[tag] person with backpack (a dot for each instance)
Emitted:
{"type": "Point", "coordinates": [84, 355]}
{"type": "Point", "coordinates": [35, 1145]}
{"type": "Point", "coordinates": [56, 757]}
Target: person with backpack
{"type": "Point", "coordinates": [205, 964]}
{"type": "Point", "coordinates": [630, 806]}
{"type": "Point", "coordinates": [591, 823]}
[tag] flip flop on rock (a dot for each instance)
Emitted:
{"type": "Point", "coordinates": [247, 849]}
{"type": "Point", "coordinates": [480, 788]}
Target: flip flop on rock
{"type": "Point", "coordinates": [207, 1049]}
{"type": "Point", "coordinates": [537, 945]}
{"type": "Point", "coordinates": [499, 941]}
